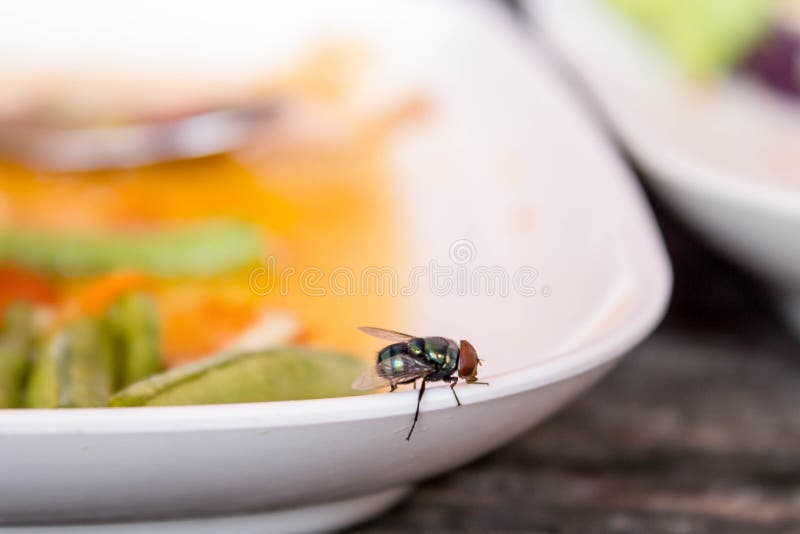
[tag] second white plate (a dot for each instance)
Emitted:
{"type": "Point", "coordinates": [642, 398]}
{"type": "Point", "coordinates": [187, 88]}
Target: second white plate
{"type": "Point", "coordinates": [726, 156]}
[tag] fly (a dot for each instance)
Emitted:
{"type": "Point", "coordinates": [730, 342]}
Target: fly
{"type": "Point", "coordinates": [411, 358]}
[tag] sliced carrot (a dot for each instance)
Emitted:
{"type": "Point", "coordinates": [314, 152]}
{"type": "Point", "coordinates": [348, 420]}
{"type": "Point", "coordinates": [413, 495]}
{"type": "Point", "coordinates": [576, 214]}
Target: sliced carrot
{"type": "Point", "coordinates": [17, 284]}
{"type": "Point", "coordinates": [95, 296]}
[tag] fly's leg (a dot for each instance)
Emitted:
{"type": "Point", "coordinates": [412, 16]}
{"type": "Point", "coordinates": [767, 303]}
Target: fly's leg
{"type": "Point", "coordinates": [453, 382]}
{"type": "Point", "coordinates": [416, 415]}
{"type": "Point", "coordinates": [415, 384]}
{"type": "Point", "coordinates": [393, 386]}
{"type": "Point", "coordinates": [476, 382]}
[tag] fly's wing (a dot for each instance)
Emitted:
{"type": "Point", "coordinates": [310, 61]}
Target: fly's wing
{"type": "Point", "coordinates": [382, 333]}
{"type": "Point", "coordinates": [394, 370]}
{"type": "Point", "coordinates": [370, 379]}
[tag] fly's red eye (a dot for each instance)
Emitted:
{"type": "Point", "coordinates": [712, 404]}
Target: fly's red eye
{"type": "Point", "coordinates": [467, 362]}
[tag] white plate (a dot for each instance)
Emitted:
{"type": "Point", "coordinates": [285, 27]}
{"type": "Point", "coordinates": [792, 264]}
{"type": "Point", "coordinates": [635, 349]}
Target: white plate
{"type": "Point", "coordinates": [726, 156]}
{"type": "Point", "coordinates": [508, 172]}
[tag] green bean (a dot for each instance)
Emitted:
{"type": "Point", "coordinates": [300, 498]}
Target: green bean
{"type": "Point", "coordinates": [267, 375]}
{"type": "Point", "coordinates": [73, 368]}
{"type": "Point", "coordinates": [200, 249]}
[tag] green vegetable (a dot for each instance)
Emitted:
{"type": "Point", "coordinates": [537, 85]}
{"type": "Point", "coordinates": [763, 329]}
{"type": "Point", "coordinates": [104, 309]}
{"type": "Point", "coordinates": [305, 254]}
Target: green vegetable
{"type": "Point", "coordinates": [134, 330]}
{"type": "Point", "coordinates": [16, 342]}
{"type": "Point", "coordinates": [269, 375]}
{"type": "Point", "coordinates": [197, 250]}
{"type": "Point", "coordinates": [706, 37]}
{"type": "Point", "coordinates": [73, 368]}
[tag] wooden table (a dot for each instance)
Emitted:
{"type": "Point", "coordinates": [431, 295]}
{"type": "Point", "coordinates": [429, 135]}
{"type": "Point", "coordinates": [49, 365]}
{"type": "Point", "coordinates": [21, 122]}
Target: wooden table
{"type": "Point", "coordinates": [697, 431]}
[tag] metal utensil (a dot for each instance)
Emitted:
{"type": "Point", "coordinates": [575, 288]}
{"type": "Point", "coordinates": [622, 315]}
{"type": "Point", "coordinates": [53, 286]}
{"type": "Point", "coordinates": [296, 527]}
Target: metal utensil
{"type": "Point", "coordinates": [200, 134]}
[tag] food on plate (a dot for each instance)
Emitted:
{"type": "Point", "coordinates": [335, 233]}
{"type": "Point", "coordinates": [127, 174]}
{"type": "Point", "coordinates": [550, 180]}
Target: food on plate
{"type": "Point", "coordinates": [133, 325]}
{"type": "Point", "coordinates": [711, 37]}
{"type": "Point", "coordinates": [704, 36]}
{"type": "Point", "coordinates": [16, 343]}
{"type": "Point", "coordinates": [205, 248]}
{"type": "Point", "coordinates": [268, 375]}
{"type": "Point", "coordinates": [776, 60]}
{"type": "Point", "coordinates": [72, 367]}
{"type": "Point", "coordinates": [194, 268]}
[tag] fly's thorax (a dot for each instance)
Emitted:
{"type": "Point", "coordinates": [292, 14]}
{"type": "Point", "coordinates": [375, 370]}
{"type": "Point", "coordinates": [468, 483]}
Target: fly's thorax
{"type": "Point", "coordinates": [443, 353]}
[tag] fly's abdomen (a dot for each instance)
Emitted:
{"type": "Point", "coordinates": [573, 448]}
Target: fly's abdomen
{"type": "Point", "coordinates": [392, 350]}
{"type": "Point", "coordinates": [392, 367]}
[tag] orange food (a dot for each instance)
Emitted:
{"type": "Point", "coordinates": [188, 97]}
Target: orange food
{"type": "Point", "coordinates": [17, 284]}
{"type": "Point", "coordinates": [95, 296]}
{"type": "Point", "coordinates": [198, 325]}
{"type": "Point", "coordinates": [322, 206]}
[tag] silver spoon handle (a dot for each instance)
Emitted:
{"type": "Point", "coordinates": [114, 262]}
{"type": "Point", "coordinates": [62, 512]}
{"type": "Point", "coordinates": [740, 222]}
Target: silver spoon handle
{"type": "Point", "coordinates": [134, 145]}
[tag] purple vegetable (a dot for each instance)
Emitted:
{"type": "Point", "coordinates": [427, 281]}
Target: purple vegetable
{"type": "Point", "coordinates": [776, 61]}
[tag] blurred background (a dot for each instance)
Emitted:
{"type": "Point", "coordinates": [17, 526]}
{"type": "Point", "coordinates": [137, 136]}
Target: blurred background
{"type": "Point", "coordinates": [132, 210]}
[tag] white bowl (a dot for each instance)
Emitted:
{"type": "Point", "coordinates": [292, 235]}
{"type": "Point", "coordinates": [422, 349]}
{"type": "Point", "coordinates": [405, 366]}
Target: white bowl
{"type": "Point", "coordinates": [726, 157]}
{"type": "Point", "coordinates": [508, 172]}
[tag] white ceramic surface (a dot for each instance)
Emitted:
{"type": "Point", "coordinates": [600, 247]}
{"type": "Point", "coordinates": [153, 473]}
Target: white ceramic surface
{"type": "Point", "coordinates": [726, 157]}
{"type": "Point", "coordinates": [508, 171]}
